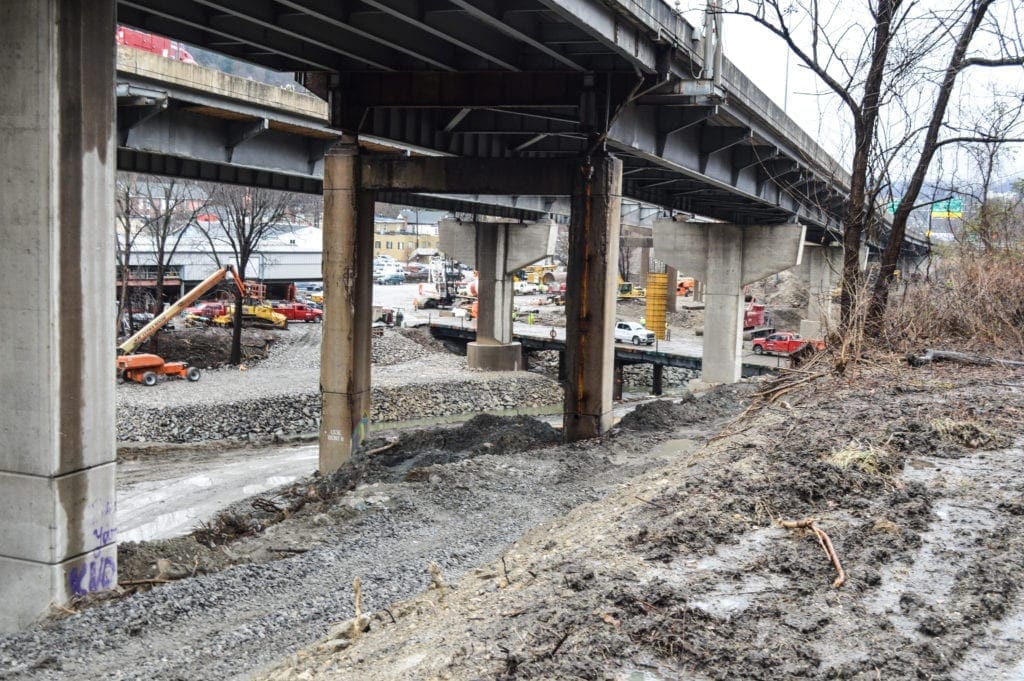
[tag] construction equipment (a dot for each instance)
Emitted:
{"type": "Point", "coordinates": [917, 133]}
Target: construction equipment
{"type": "Point", "coordinates": [541, 275]}
{"type": "Point", "coordinates": [144, 367]}
{"type": "Point", "coordinates": [627, 291]}
{"type": "Point", "coordinates": [685, 286]}
{"type": "Point", "coordinates": [756, 322]}
{"type": "Point", "coordinates": [255, 312]}
{"type": "Point", "coordinates": [442, 288]}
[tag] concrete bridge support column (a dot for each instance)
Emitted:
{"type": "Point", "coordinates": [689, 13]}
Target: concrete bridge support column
{"type": "Point", "coordinates": [671, 300]}
{"type": "Point", "coordinates": [727, 257]}
{"type": "Point", "coordinates": [822, 268]}
{"type": "Point", "coordinates": [496, 250]}
{"type": "Point", "coordinates": [590, 300]}
{"type": "Point", "coordinates": [348, 307]}
{"type": "Point", "coordinates": [57, 516]}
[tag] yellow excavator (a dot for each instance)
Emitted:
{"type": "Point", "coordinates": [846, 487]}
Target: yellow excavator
{"type": "Point", "coordinates": [255, 312]}
{"type": "Point", "coordinates": [627, 291]}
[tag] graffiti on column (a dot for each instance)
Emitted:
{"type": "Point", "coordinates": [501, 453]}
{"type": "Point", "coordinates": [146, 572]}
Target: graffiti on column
{"type": "Point", "coordinates": [101, 516]}
{"type": "Point", "coordinates": [96, 573]}
{"type": "Point", "coordinates": [98, 570]}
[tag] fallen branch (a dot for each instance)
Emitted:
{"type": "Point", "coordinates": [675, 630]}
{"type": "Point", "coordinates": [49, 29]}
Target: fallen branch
{"type": "Point", "coordinates": [357, 592]}
{"type": "Point", "coordinates": [141, 582]}
{"type": "Point", "coordinates": [824, 541]}
{"type": "Point", "coordinates": [929, 356]}
{"type": "Point", "coordinates": [263, 504]}
{"type": "Point", "coordinates": [508, 580]}
{"type": "Point", "coordinates": [650, 503]}
{"type": "Point", "coordinates": [380, 450]}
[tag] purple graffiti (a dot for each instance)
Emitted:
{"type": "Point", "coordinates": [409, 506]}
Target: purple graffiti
{"type": "Point", "coordinates": [105, 535]}
{"type": "Point", "coordinates": [96, 574]}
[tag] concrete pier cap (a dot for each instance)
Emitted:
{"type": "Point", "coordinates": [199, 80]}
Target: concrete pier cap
{"type": "Point", "coordinates": [727, 257]}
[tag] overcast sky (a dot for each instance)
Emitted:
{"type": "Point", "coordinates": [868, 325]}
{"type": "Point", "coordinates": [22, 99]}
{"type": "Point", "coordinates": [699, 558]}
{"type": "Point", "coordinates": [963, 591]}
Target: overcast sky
{"type": "Point", "coordinates": [766, 61]}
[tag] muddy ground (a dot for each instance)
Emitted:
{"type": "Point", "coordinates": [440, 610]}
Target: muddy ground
{"type": "Point", "coordinates": [272, 577]}
{"type": "Point", "coordinates": [651, 553]}
{"type": "Point", "coordinates": [685, 572]}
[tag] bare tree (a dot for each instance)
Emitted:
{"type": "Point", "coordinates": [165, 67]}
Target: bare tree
{"type": "Point", "coordinates": [247, 217]}
{"type": "Point", "coordinates": [887, 67]}
{"type": "Point", "coordinates": [130, 223]}
{"type": "Point", "coordinates": [172, 207]}
{"type": "Point", "coordinates": [991, 221]}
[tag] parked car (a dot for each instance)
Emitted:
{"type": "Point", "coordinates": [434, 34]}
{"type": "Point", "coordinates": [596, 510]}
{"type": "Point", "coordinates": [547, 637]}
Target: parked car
{"type": "Point", "coordinates": [631, 332]}
{"type": "Point", "coordinates": [392, 278]}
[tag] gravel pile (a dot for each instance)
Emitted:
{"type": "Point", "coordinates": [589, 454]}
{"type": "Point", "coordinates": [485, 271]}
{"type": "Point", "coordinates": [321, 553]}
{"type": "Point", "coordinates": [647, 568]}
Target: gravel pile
{"type": "Point", "coordinates": [642, 375]}
{"type": "Point", "coordinates": [289, 415]}
{"type": "Point", "coordinates": [394, 348]}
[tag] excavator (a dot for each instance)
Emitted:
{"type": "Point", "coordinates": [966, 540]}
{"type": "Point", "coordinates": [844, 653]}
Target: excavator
{"type": "Point", "coordinates": [144, 368]}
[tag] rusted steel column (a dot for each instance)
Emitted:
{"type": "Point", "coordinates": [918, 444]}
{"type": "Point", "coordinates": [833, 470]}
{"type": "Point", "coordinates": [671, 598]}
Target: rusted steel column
{"type": "Point", "coordinates": [658, 381]}
{"type": "Point", "coordinates": [590, 297]}
{"type": "Point", "coordinates": [348, 308]}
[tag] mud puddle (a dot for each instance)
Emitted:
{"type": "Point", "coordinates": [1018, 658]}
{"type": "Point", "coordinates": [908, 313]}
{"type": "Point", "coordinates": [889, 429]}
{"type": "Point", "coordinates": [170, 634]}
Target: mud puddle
{"type": "Point", "coordinates": [170, 500]}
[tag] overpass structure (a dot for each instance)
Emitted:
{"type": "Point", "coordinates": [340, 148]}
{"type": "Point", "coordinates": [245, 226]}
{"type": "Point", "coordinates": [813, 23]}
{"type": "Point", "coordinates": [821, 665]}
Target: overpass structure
{"type": "Point", "coordinates": [195, 122]}
{"type": "Point", "coordinates": [587, 100]}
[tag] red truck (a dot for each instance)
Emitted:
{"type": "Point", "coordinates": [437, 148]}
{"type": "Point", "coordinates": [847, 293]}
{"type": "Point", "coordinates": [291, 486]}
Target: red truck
{"type": "Point", "coordinates": [785, 343]}
{"type": "Point", "coordinates": [299, 312]}
{"type": "Point", "coordinates": [207, 308]}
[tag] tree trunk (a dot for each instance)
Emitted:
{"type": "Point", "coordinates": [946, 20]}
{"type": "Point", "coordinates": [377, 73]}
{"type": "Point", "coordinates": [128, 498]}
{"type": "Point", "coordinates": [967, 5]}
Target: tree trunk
{"type": "Point", "coordinates": [158, 306]}
{"type": "Point", "coordinates": [236, 330]}
{"type": "Point", "coordinates": [123, 304]}
{"type": "Point", "coordinates": [890, 257]}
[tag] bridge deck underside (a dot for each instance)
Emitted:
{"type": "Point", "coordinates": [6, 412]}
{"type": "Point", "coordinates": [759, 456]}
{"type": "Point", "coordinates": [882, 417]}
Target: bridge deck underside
{"type": "Point", "coordinates": [532, 78]}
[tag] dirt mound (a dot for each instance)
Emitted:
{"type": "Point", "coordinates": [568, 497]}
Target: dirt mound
{"type": "Point", "coordinates": [720, 401]}
{"type": "Point", "coordinates": [784, 289]}
{"type": "Point", "coordinates": [483, 434]}
{"type": "Point", "coordinates": [168, 559]}
{"type": "Point", "coordinates": [208, 347]}
{"type": "Point", "coordinates": [687, 572]}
